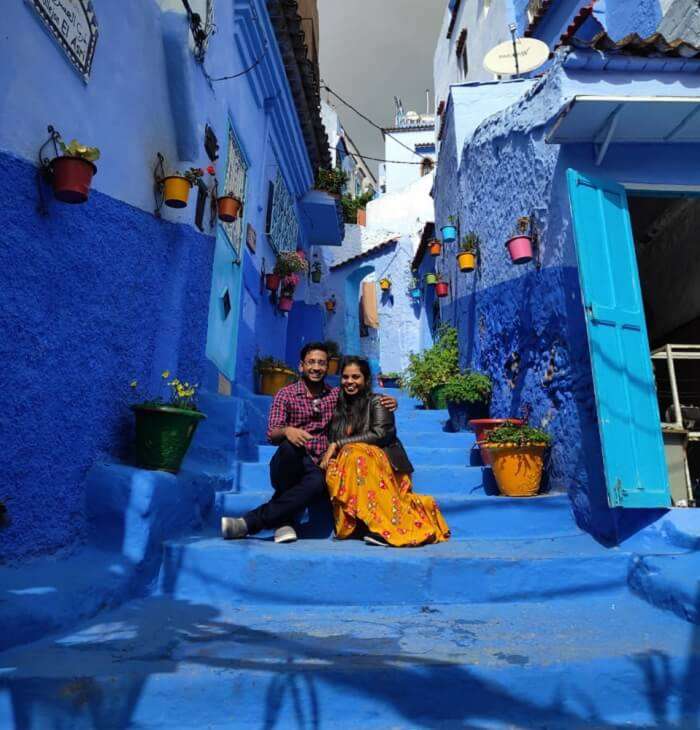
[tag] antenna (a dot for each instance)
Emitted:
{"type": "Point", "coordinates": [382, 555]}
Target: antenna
{"type": "Point", "coordinates": [513, 28]}
{"type": "Point", "coordinates": [427, 101]}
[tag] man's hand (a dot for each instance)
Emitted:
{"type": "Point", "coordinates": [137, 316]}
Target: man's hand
{"type": "Point", "coordinates": [389, 402]}
{"type": "Point", "coordinates": [330, 453]}
{"type": "Point", "coordinates": [297, 436]}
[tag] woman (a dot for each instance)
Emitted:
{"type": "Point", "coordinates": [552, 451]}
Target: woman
{"type": "Point", "coordinates": [368, 471]}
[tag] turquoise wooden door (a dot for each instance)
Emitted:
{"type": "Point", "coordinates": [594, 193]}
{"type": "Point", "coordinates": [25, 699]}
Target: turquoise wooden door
{"type": "Point", "coordinates": [625, 392]}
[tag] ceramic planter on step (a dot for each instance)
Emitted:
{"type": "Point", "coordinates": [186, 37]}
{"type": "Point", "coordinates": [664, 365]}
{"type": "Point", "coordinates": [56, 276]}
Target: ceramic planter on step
{"type": "Point", "coordinates": [72, 177]}
{"type": "Point", "coordinates": [228, 207]}
{"type": "Point", "coordinates": [466, 261]}
{"type": "Point", "coordinates": [482, 427]}
{"type": "Point", "coordinates": [430, 279]}
{"type": "Point", "coordinates": [285, 304]}
{"type": "Point", "coordinates": [163, 435]}
{"type": "Point", "coordinates": [442, 288]}
{"type": "Point", "coordinates": [274, 379]}
{"type": "Point", "coordinates": [518, 469]}
{"type": "Point", "coordinates": [449, 234]}
{"type": "Point", "coordinates": [176, 191]}
{"type": "Point", "coordinates": [520, 249]}
{"type": "Point", "coordinates": [435, 248]}
{"type": "Point", "coordinates": [272, 281]}
{"type": "Point", "coordinates": [462, 413]}
{"type": "Point", "coordinates": [385, 382]}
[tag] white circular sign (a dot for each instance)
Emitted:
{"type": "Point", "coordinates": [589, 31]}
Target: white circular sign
{"type": "Point", "coordinates": [531, 54]}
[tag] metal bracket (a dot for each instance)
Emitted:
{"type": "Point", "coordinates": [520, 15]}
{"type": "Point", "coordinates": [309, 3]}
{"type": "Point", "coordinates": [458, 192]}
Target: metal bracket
{"type": "Point", "coordinates": [605, 135]}
{"type": "Point", "coordinates": [158, 175]}
{"type": "Point", "coordinates": [44, 171]}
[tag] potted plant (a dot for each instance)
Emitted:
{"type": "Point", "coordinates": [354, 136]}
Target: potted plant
{"type": "Point", "coordinates": [164, 429]}
{"type": "Point", "coordinates": [385, 284]}
{"type": "Point", "coordinates": [176, 187]}
{"type": "Point", "coordinates": [331, 181]}
{"type": "Point", "coordinates": [72, 173]}
{"type": "Point", "coordinates": [442, 288]}
{"type": "Point", "coordinates": [289, 285]}
{"type": "Point", "coordinates": [435, 247]}
{"type": "Point", "coordinates": [468, 396]}
{"type": "Point", "coordinates": [414, 290]}
{"type": "Point", "coordinates": [330, 304]}
{"type": "Point", "coordinates": [272, 281]}
{"type": "Point", "coordinates": [272, 375]}
{"type": "Point", "coordinates": [333, 350]}
{"type": "Point", "coordinates": [316, 272]}
{"type": "Point", "coordinates": [429, 371]}
{"type": "Point", "coordinates": [288, 266]}
{"type": "Point", "coordinates": [449, 232]}
{"type": "Point", "coordinates": [482, 427]}
{"type": "Point", "coordinates": [468, 247]}
{"type": "Point", "coordinates": [430, 278]}
{"type": "Point", "coordinates": [517, 458]}
{"type": "Point", "coordinates": [389, 380]}
{"type": "Point", "coordinates": [228, 207]}
{"type": "Point", "coordinates": [520, 244]}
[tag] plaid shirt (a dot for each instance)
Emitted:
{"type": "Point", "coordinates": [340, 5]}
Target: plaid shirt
{"type": "Point", "coordinates": [295, 406]}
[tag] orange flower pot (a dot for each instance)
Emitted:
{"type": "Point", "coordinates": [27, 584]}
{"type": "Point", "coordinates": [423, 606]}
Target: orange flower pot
{"type": "Point", "coordinates": [274, 379]}
{"type": "Point", "coordinates": [330, 306]}
{"type": "Point", "coordinates": [518, 469]}
{"type": "Point", "coordinates": [228, 208]}
{"type": "Point", "coordinates": [466, 261]}
{"type": "Point", "coordinates": [176, 191]}
{"type": "Point", "coordinates": [333, 365]}
{"type": "Point", "coordinates": [435, 248]}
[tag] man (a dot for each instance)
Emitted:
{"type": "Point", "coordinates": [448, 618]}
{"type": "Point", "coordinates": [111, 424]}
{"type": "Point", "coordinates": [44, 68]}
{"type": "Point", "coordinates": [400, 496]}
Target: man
{"type": "Point", "coordinates": [298, 420]}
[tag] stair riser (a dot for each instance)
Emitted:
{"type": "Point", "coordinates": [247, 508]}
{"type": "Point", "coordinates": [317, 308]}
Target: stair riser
{"type": "Point", "coordinates": [419, 455]}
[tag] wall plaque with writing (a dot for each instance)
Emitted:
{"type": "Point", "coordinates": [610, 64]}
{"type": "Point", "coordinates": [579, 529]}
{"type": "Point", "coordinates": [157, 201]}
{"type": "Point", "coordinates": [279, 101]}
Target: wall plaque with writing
{"type": "Point", "coordinates": [251, 238]}
{"type": "Point", "coordinates": [73, 25]}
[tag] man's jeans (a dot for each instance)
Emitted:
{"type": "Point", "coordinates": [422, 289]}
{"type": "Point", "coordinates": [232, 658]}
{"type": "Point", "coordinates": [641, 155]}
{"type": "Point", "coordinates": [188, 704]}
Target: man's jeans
{"type": "Point", "coordinates": [297, 482]}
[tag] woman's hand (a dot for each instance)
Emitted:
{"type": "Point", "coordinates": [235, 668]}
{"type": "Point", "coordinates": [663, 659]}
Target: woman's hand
{"type": "Point", "coordinates": [330, 453]}
{"type": "Point", "coordinates": [389, 402]}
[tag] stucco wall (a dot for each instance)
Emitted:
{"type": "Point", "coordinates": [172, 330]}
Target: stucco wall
{"type": "Point", "coordinates": [398, 177]}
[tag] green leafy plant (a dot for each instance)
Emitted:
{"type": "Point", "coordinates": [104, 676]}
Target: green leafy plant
{"type": "Point", "coordinates": [519, 435]}
{"type": "Point", "coordinates": [391, 374]}
{"type": "Point", "coordinates": [469, 387]}
{"type": "Point", "coordinates": [434, 366]}
{"type": "Point", "coordinates": [180, 394]}
{"type": "Point", "coordinates": [75, 149]}
{"type": "Point", "coordinates": [331, 181]}
{"type": "Point", "coordinates": [452, 219]}
{"type": "Point", "coordinates": [193, 175]}
{"type": "Point", "coordinates": [522, 225]}
{"type": "Point", "coordinates": [290, 262]}
{"type": "Point", "coordinates": [469, 243]}
{"type": "Point", "coordinates": [269, 363]}
{"type": "Point", "coordinates": [352, 205]}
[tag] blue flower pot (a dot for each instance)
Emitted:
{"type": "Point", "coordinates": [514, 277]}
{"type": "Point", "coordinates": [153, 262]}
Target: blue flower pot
{"type": "Point", "coordinates": [415, 293]}
{"type": "Point", "coordinates": [449, 234]}
{"type": "Point", "coordinates": [462, 413]}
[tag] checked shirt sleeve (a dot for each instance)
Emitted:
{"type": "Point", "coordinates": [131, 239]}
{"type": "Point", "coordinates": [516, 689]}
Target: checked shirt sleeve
{"type": "Point", "coordinates": [278, 413]}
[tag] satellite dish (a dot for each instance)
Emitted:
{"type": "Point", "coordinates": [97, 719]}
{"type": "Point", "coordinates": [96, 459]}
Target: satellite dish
{"type": "Point", "coordinates": [501, 60]}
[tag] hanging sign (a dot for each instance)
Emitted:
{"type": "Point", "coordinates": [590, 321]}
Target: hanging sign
{"type": "Point", "coordinates": [73, 25]}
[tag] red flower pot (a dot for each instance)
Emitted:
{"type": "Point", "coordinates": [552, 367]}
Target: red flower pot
{"type": "Point", "coordinates": [520, 249]}
{"type": "Point", "coordinates": [442, 288]}
{"type": "Point", "coordinates": [483, 426]}
{"type": "Point", "coordinates": [71, 179]}
{"type": "Point", "coordinates": [272, 281]}
{"type": "Point", "coordinates": [286, 304]}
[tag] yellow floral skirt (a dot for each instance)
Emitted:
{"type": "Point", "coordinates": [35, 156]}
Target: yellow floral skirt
{"type": "Point", "coordinates": [365, 489]}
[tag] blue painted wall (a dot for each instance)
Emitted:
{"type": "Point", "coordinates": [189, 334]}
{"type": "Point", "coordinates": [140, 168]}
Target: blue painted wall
{"type": "Point", "coordinates": [93, 296]}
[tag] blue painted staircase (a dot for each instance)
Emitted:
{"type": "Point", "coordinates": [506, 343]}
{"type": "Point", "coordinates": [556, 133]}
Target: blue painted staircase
{"type": "Point", "coordinates": [520, 621]}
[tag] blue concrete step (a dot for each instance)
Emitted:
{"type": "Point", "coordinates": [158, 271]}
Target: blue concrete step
{"type": "Point", "coordinates": [333, 572]}
{"type": "Point", "coordinates": [163, 663]}
{"type": "Point", "coordinates": [479, 515]}
{"type": "Point", "coordinates": [411, 437]}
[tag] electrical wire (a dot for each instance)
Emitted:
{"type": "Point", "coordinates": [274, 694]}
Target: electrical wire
{"type": "Point", "coordinates": [240, 73]}
{"type": "Point", "coordinates": [379, 159]}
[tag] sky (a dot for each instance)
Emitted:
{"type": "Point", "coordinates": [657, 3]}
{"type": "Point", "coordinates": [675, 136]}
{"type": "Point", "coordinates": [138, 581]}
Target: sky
{"type": "Point", "coordinates": [375, 51]}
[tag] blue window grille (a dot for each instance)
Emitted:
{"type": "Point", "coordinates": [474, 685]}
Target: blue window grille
{"type": "Point", "coordinates": [236, 175]}
{"type": "Point", "coordinates": [283, 232]}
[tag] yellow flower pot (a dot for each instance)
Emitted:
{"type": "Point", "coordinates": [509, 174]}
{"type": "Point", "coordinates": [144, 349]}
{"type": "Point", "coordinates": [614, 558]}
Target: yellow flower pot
{"type": "Point", "coordinates": [385, 284]}
{"type": "Point", "coordinates": [518, 469]}
{"type": "Point", "coordinates": [274, 379]}
{"type": "Point", "coordinates": [466, 261]}
{"type": "Point", "coordinates": [176, 191]}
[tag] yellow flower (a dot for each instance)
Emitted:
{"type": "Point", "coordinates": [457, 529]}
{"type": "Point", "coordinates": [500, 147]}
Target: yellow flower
{"type": "Point", "coordinates": [133, 383]}
{"type": "Point", "coordinates": [174, 382]}
{"type": "Point", "coordinates": [165, 374]}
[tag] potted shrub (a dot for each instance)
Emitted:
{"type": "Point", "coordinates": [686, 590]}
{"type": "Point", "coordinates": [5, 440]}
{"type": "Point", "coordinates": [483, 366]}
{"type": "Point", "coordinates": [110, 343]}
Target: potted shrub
{"type": "Point", "coordinates": [520, 244]}
{"type": "Point", "coordinates": [430, 278]}
{"type": "Point", "coordinates": [228, 207]}
{"type": "Point", "coordinates": [468, 247]}
{"type": "Point", "coordinates": [517, 458]}
{"type": "Point", "coordinates": [389, 380]}
{"type": "Point", "coordinates": [442, 288]}
{"type": "Point", "coordinates": [449, 232]}
{"type": "Point", "coordinates": [330, 303]}
{"type": "Point", "coordinates": [164, 429]}
{"type": "Point", "coordinates": [176, 187]}
{"type": "Point", "coordinates": [331, 181]}
{"type": "Point", "coordinates": [429, 371]}
{"type": "Point", "coordinates": [288, 266]}
{"type": "Point", "coordinates": [468, 396]}
{"type": "Point", "coordinates": [72, 173]}
{"type": "Point", "coordinates": [333, 356]}
{"type": "Point", "coordinates": [483, 426]}
{"type": "Point", "coordinates": [316, 272]}
{"type": "Point", "coordinates": [272, 375]}
{"type": "Point", "coordinates": [435, 247]}
{"type": "Point", "coordinates": [385, 284]}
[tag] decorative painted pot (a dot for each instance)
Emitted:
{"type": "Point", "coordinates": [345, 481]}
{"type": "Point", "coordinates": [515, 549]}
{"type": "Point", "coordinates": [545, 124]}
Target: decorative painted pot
{"type": "Point", "coordinates": [430, 279]}
{"type": "Point", "coordinates": [385, 284]}
{"type": "Point", "coordinates": [442, 288]}
{"type": "Point", "coordinates": [272, 281]}
{"type": "Point", "coordinates": [72, 177]}
{"type": "Point", "coordinates": [163, 435]}
{"type": "Point", "coordinates": [333, 365]}
{"type": "Point", "coordinates": [436, 399]}
{"type": "Point", "coordinates": [518, 469]}
{"type": "Point", "coordinates": [520, 249]}
{"type": "Point", "coordinates": [316, 277]}
{"type": "Point", "coordinates": [449, 234]}
{"type": "Point", "coordinates": [462, 413]}
{"type": "Point", "coordinates": [482, 427]}
{"type": "Point", "coordinates": [228, 207]}
{"type": "Point", "coordinates": [466, 261]}
{"type": "Point", "coordinates": [274, 379]}
{"type": "Point", "coordinates": [385, 382]}
{"type": "Point", "coordinates": [176, 191]}
{"type": "Point", "coordinates": [285, 304]}
{"type": "Point", "coordinates": [416, 293]}
{"type": "Point", "coordinates": [435, 248]}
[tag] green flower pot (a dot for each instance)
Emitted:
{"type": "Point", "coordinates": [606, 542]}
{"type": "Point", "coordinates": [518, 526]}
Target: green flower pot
{"type": "Point", "coordinates": [163, 435]}
{"type": "Point", "coordinates": [437, 400]}
{"type": "Point", "coordinates": [430, 279]}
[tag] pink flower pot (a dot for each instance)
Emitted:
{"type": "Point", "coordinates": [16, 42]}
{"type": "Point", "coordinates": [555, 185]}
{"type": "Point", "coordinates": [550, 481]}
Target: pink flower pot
{"type": "Point", "coordinates": [520, 249]}
{"type": "Point", "coordinates": [286, 304]}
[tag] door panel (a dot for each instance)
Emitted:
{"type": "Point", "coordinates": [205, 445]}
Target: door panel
{"type": "Point", "coordinates": [628, 414]}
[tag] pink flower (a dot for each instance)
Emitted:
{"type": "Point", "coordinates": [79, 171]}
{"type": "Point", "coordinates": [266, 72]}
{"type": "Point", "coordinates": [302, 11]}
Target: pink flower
{"type": "Point", "coordinates": [211, 170]}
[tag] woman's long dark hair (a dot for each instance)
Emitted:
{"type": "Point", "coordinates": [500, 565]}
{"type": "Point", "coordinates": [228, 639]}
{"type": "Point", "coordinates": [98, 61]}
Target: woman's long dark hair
{"type": "Point", "coordinates": [351, 411]}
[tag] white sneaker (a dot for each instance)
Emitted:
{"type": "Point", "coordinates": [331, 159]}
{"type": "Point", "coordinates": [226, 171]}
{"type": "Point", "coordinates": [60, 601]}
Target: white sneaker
{"type": "Point", "coordinates": [373, 539]}
{"type": "Point", "coordinates": [285, 534]}
{"type": "Point", "coordinates": [233, 528]}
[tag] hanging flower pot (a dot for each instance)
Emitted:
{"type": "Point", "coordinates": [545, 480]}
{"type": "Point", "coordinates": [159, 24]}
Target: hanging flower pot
{"type": "Point", "coordinates": [316, 273]}
{"type": "Point", "coordinates": [330, 305]}
{"type": "Point", "coordinates": [416, 293]}
{"type": "Point", "coordinates": [272, 281]}
{"type": "Point", "coordinates": [333, 364]}
{"type": "Point", "coordinates": [442, 288]}
{"type": "Point", "coordinates": [228, 207]}
{"type": "Point", "coordinates": [176, 191]}
{"type": "Point", "coordinates": [385, 284]}
{"type": "Point", "coordinates": [430, 279]}
{"type": "Point", "coordinates": [468, 247]}
{"type": "Point", "coordinates": [285, 304]}
{"type": "Point", "coordinates": [466, 261]}
{"type": "Point", "coordinates": [449, 234]}
{"type": "Point", "coordinates": [435, 247]}
{"type": "Point", "coordinates": [72, 177]}
{"type": "Point", "coordinates": [520, 249]}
